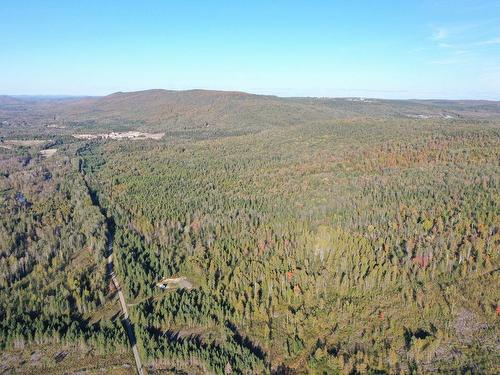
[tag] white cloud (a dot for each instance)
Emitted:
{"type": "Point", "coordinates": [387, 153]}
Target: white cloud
{"type": "Point", "coordinates": [447, 61]}
{"type": "Point", "coordinates": [440, 33]}
{"type": "Point", "coordinates": [460, 44]}
{"type": "Point", "coordinates": [446, 45]}
{"type": "Point", "coordinates": [489, 42]}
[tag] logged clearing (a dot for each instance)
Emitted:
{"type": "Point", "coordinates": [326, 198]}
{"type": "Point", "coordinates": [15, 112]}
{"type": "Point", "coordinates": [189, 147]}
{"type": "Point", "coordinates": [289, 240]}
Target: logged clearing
{"type": "Point", "coordinates": [47, 359]}
{"type": "Point", "coordinates": [48, 152]}
{"type": "Point", "coordinates": [123, 135]}
{"type": "Point", "coordinates": [24, 143]}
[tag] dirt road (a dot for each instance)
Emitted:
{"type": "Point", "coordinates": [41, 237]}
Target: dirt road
{"type": "Point", "coordinates": [126, 320]}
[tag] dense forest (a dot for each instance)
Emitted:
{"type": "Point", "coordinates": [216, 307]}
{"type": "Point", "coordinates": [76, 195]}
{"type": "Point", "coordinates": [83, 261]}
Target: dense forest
{"type": "Point", "coordinates": [323, 244]}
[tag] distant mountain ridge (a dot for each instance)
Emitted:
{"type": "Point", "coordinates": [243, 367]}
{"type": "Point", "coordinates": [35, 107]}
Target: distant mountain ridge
{"type": "Point", "coordinates": [159, 109]}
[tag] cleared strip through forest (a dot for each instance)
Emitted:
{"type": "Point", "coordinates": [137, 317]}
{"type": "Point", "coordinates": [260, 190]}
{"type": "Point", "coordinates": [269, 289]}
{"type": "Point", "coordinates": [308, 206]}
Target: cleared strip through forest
{"type": "Point", "coordinates": [126, 320]}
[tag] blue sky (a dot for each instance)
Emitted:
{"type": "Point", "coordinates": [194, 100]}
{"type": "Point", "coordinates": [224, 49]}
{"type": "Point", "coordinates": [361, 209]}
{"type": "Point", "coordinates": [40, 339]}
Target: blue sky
{"type": "Point", "coordinates": [391, 49]}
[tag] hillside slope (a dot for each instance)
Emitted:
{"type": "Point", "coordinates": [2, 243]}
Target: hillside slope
{"type": "Point", "coordinates": [163, 110]}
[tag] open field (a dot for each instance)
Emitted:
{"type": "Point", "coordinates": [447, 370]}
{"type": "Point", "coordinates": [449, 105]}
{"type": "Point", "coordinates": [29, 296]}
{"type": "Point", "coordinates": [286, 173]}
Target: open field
{"type": "Point", "coordinates": [45, 359]}
{"type": "Point", "coordinates": [23, 143]}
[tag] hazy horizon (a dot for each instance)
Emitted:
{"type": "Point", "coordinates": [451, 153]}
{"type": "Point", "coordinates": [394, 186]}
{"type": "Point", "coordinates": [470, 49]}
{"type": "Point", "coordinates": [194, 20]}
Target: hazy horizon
{"type": "Point", "coordinates": [70, 96]}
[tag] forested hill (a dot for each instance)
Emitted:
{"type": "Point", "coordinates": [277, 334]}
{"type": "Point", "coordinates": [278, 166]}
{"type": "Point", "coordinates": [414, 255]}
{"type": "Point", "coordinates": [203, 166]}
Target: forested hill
{"type": "Point", "coordinates": [163, 110]}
